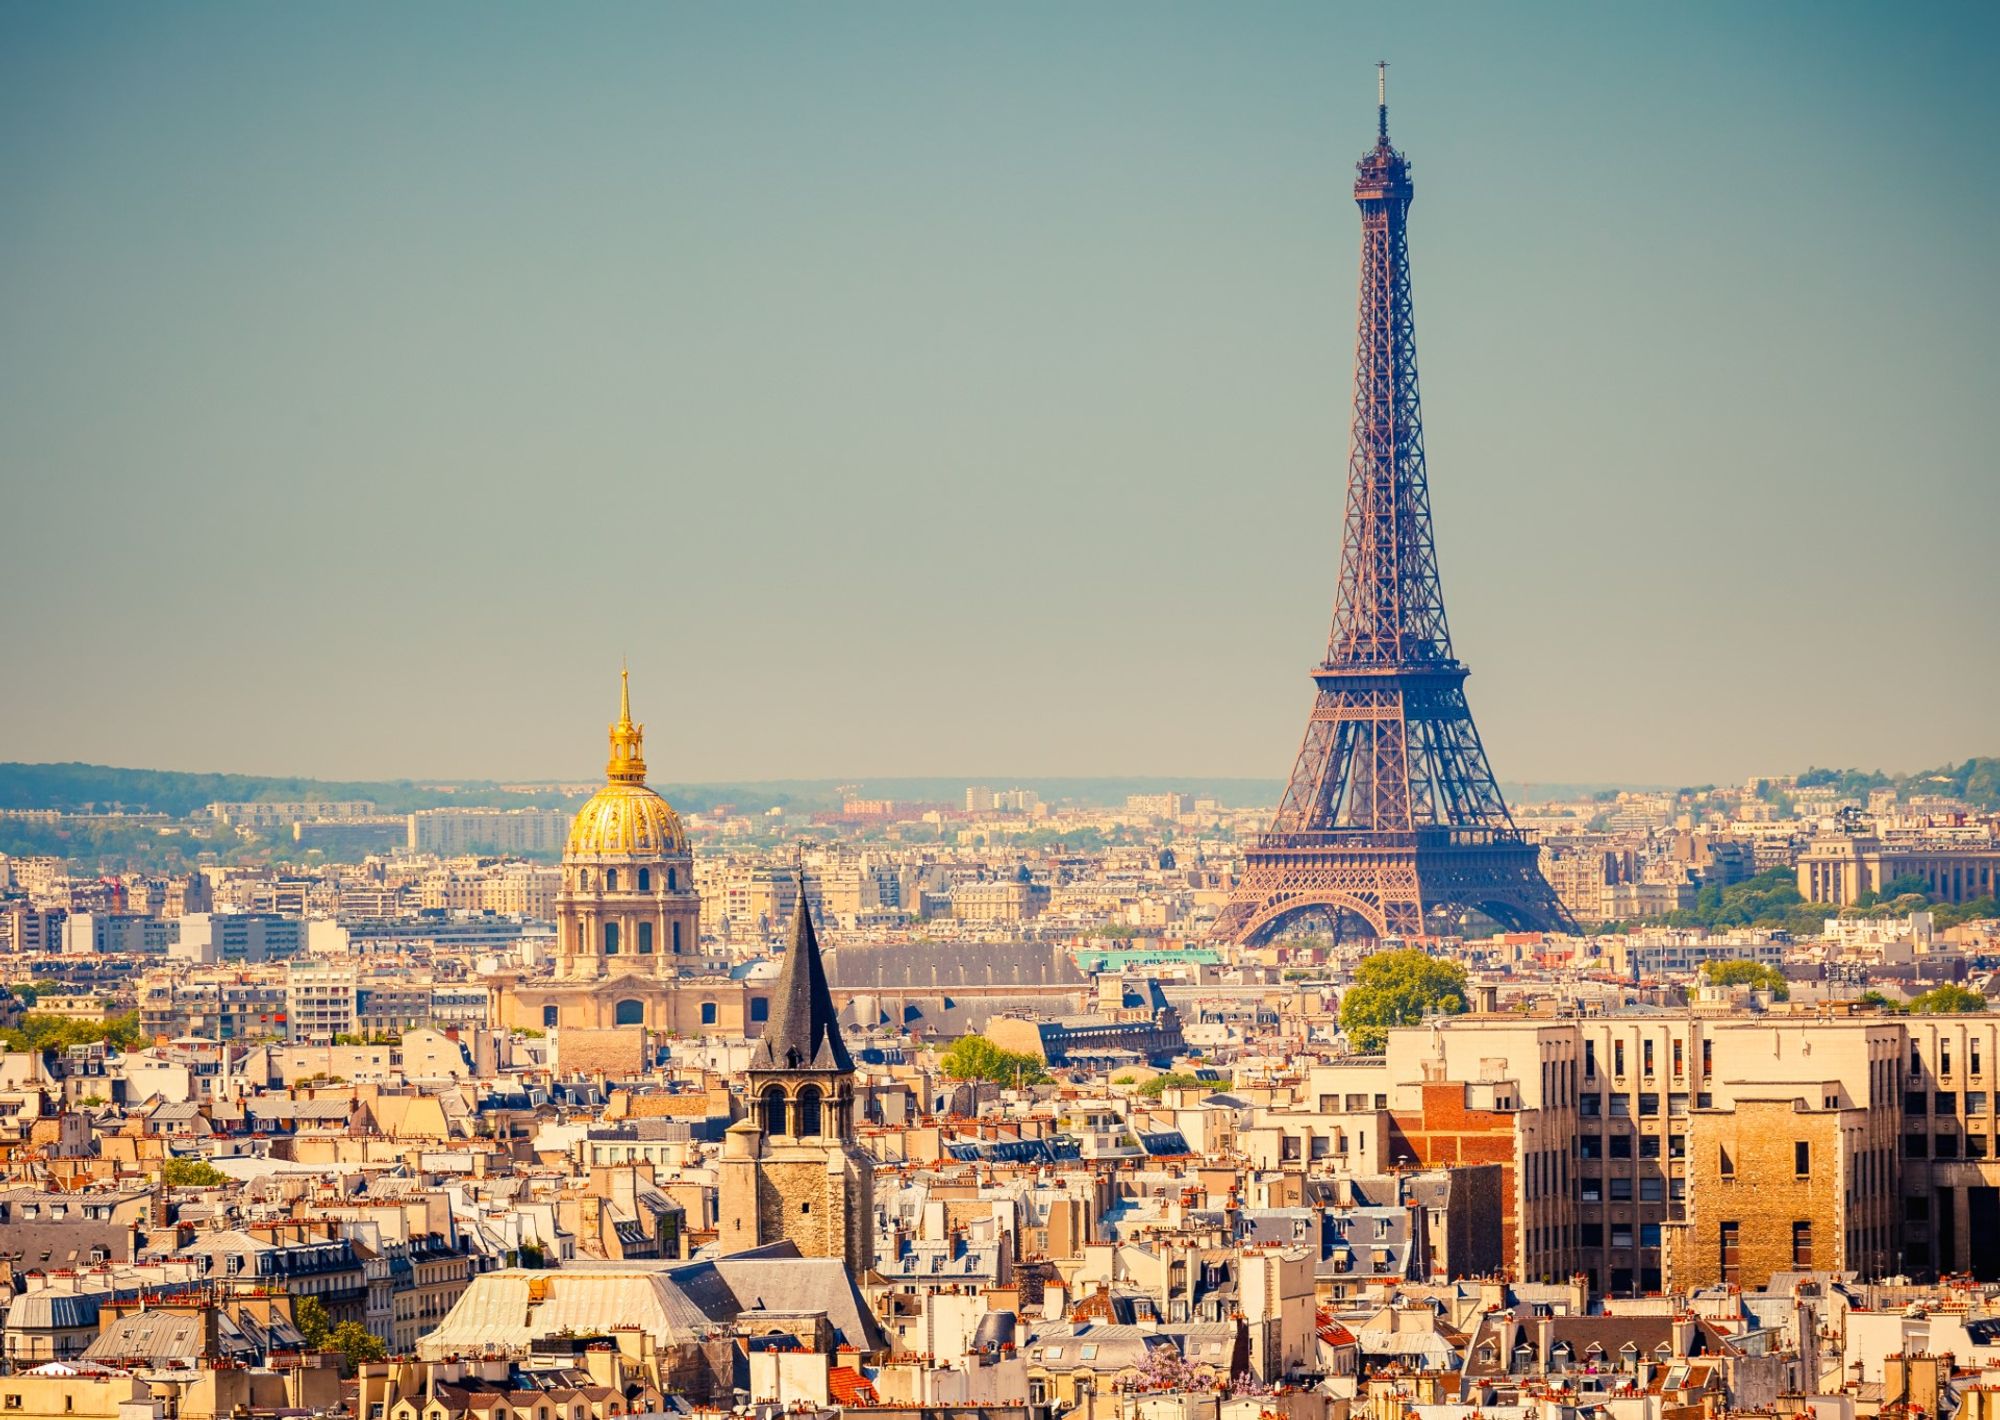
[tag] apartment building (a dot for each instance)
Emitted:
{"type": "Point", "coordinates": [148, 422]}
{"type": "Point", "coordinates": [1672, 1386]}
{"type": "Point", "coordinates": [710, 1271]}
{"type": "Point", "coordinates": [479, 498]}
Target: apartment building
{"type": "Point", "coordinates": [321, 1001]}
{"type": "Point", "coordinates": [1950, 1193]}
{"type": "Point", "coordinates": [107, 933]}
{"type": "Point", "coordinates": [208, 938]}
{"type": "Point", "coordinates": [1001, 900]}
{"type": "Point", "coordinates": [509, 889]}
{"type": "Point", "coordinates": [449, 832]}
{"type": "Point", "coordinates": [219, 1005]}
{"type": "Point", "coordinates": [1660, 1150]}
{"type": "Point", "coordinates": [27, 931]}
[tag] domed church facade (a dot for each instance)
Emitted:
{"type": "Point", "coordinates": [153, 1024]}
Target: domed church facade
{"type": "Point", "coordinates": [628, 921]}
{"type": "Point", "coordinates": [628, 905]}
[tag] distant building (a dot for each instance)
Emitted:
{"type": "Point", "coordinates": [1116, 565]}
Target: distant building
{"type": "Point", "coordinates": [212, 937]}
{"type": "Point", "coordinates": [1837, 870]}
{"type": "Point", "coordinates": [104, 933]}
{"type": "Point", "coordinates": [27, 930]}
{"type": "Point", "coordinates": [449, 832]}
{"type": "Point", "coordinates": [279, 813]}
{"type": "Point", "coordinates": [1005, 900]}
{"type": "Point", "coordinates": [321, 1001]}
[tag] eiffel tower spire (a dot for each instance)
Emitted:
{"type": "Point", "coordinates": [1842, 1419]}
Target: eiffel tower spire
{"type": "Point", "coordinates": [1392, 815]}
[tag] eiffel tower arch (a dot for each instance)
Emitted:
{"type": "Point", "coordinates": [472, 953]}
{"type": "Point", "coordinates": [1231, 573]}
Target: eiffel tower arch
{"type": "Point", "coordinates": [1392, 818]}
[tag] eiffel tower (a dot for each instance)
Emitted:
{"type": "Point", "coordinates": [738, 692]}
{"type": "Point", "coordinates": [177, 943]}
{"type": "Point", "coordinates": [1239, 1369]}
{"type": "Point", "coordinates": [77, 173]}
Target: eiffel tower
{"type": "Point", "coordinates": [1392, 815]}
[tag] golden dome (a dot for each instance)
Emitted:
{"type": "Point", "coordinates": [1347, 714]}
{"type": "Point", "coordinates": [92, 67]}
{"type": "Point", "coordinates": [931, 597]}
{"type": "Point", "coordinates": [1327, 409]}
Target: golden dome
{"type": "Point", "coordinates": [625, 818]}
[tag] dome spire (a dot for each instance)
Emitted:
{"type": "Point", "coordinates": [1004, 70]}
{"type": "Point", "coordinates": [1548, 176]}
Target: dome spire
{"type": "Point", "coordinates": [627, 764]}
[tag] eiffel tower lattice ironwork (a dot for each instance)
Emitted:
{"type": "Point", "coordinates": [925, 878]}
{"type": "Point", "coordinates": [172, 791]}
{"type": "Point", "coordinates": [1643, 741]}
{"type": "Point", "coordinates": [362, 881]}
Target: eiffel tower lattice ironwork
{"type": "Point", "coordinates": [1392, 814]}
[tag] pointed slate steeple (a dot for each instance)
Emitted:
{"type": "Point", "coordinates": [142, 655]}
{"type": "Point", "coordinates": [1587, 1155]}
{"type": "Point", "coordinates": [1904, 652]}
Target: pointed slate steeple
{"type": "Point", "coordinates": [804, 1030]}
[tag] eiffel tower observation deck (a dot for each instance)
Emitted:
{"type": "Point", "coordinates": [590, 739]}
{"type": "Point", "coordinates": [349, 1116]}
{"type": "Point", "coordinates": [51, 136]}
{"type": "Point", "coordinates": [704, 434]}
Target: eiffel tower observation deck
{"type": "Point", "coordinates": [1392, 822]}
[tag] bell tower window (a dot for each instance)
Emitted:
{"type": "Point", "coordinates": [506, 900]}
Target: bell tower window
{"type": "Point", "coordinates": [807, 1125]}
{"type": "Point", "coordinates": [771, 1105]}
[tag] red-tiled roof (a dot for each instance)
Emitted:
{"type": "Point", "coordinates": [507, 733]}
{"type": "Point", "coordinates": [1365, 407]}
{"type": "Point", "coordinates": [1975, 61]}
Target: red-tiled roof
{"type": "Point", "coordinates": [846, 1386]}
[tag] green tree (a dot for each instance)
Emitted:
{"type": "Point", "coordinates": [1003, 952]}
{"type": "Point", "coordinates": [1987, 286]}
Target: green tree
{"type": "Point", "coordinates": [1172, 1080]}
{"type": "Point", "coordinates": [309, 1315]}
{"type": "Point", "coordinates": [39, 1031]}
{"type": "Point", "coordinates": [191, 1173]}
{"type": "Point", "coordinates": [1979, 909]}
{"type": "Point", "coordinates": [1949, 999]}
{"type": "Point", "coordinates": [354, 1342]}
{"type": "Point", "coordinates": [1757, 975]}
{"type": "Point", "coordinates": [974, 1057]}
{"type": "Point", "coordinates": [1398, 988]}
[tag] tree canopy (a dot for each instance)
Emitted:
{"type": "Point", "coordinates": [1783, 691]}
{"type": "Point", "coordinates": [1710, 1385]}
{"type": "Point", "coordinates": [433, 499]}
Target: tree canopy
{"type": "Point", "coordinates": [39, 1032]}
{"type": "Point", "coordinates": [1172, 1080]}
{"type": "Point", "coordinates": [974, 1057]}
{"type": "Point", "coordinates": [354, 1342]}
{"type": "Point", "coordinates": [1757, 975]}
{"type": "Point", "coordinates": [191, 1173]}
{"type": "Point", "coordinates": [1949, 999]}
{"type": "Point", "coordinates": [1771, 899]}
{"type": "Point", "coordinates": [1398, 988]}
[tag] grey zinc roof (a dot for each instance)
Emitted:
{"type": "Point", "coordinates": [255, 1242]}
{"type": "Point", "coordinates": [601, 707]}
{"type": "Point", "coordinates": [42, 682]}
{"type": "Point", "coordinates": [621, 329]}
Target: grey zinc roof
{"type": "Point", "coordinates": [148, 1336]}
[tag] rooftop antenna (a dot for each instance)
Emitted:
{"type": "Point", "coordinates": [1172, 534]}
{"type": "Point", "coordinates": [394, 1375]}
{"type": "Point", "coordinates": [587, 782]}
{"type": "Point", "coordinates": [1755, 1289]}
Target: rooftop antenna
{"type": "Point", "coordinates": [1382, 100]}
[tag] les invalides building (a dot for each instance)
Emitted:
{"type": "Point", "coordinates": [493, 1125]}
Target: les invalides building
{"type": "Point", "coordinates": [628, 924]}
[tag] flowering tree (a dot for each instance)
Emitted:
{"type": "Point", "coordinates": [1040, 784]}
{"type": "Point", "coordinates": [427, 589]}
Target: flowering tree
{"type": "Point", "coordinates": [1165, 1369]}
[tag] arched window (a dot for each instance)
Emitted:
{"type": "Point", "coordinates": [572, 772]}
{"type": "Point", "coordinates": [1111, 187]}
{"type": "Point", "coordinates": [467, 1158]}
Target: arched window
{"type": "Point", "coordinates": [677, 938]}
{"type": "Point", "coordinates": [548, 1015]}
{"type": "Point", "coordinates": [671, 886]}
{"type": "Point", "coordinates": [645, 938]}
{"type": "Point", "coordinates": [611, 939]}
{"type": "Point", "coordinates": [708, 1013]}
{"type": "Point", "coordinates": [808, 1120]}
{"type": "Point", "coordinates": [645, 880]}
{"type": "Point", "coordinates": [771, 1106]}
{"type": "Point", "coordinates": [629, 1013]}
{"type": "Point", "coordinates": [611, 880]}
{"type": "Point", "coordinates": [583, 879]}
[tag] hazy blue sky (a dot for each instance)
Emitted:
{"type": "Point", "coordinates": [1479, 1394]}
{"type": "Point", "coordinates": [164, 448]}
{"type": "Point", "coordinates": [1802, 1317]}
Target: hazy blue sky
{"type": "Point", "coordinates": [935, 388]}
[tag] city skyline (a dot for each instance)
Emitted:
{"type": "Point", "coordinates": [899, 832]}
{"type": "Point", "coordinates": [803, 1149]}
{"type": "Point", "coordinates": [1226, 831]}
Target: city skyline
{"type": "Point", "coordinates": [947, 400]}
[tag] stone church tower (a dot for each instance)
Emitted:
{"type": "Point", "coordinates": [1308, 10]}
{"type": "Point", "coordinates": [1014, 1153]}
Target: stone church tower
{"type": "Point", "coordinates": [792, 1169]}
